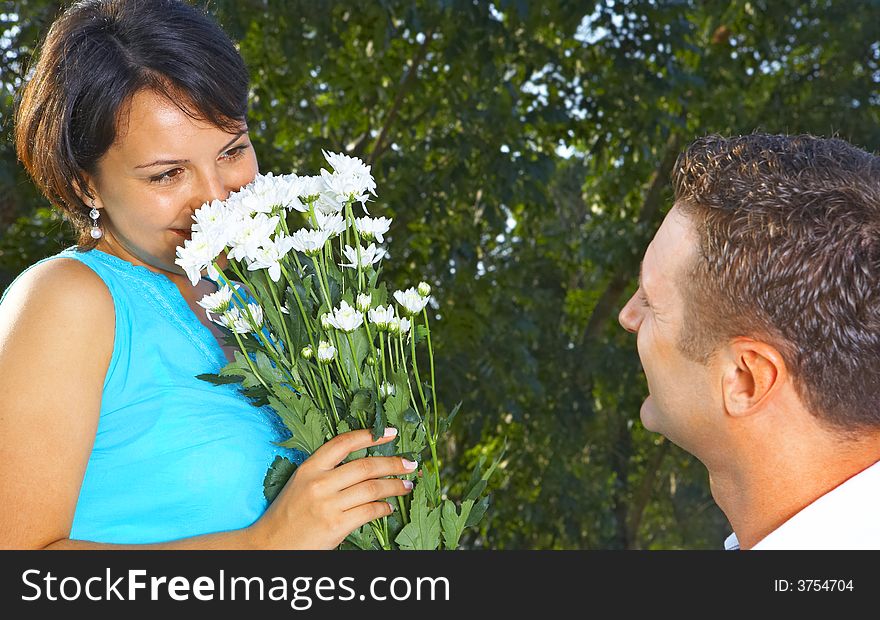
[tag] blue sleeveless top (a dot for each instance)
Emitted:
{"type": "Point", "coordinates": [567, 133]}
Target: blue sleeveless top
{"type": "Point", "coordinates": [174, 456]}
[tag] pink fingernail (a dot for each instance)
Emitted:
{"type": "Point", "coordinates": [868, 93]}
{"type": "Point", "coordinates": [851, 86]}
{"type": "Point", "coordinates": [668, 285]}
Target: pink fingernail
{"type": "Point", "coordinates": [410, 464]}
{"type": "Point", "coordinates": [408, 484]}
{"type": "Point", "coordinates": [390, 431]}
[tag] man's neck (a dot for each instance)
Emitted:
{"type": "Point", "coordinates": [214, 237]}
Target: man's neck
{"type": "Point", "coordinates": [760, 493]}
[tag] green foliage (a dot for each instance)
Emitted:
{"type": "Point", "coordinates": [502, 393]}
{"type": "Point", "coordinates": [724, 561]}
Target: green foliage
{"type": "Point", "coordinates": [523, 151]}
{"type": "Point", "coordinates": [423, 530]}
{"type": "Point", "coordinates": [279, 473]}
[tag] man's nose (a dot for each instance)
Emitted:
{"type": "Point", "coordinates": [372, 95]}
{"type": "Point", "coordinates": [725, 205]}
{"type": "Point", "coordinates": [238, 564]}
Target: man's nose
{"type": "Point", "coordinates": [629, 316]}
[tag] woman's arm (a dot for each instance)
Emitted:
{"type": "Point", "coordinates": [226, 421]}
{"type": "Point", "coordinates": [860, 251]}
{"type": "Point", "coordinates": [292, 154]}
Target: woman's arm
{"type": "Point", "coordinates": [56, 340]}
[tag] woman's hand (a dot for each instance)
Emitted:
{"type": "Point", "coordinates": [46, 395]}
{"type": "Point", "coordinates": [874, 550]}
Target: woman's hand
{"type": "Point", "coordinates": [323, 502]}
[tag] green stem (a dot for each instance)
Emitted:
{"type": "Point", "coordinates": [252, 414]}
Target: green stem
{"type": "Point", "coordinates": [354, 359]}
{"type": "Point", "coordinates": [433, 384]}
{"type": "Point", "coordinates": [249, 361]}
{"type": "Point", "coordinates": [328, 386]}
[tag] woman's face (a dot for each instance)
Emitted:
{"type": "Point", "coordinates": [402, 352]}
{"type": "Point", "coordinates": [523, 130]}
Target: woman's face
{"type": "Point", "coordinates": [162, 167]}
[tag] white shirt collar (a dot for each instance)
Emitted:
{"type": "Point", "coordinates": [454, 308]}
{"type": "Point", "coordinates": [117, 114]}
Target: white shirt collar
{"type": "Point", "coordinates": [847, 517]}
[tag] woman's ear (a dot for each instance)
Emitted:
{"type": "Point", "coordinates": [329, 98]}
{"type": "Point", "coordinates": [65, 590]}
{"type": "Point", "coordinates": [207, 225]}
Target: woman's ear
{"type": "Point", "coordinates": [89, 193]}
{"type": "Point", "coordinates": [753, 372]}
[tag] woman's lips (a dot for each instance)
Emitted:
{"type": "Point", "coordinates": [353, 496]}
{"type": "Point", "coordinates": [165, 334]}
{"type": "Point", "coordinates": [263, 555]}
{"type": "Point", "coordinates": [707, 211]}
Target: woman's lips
{"type": "Point", "coordinates": [186, 234]}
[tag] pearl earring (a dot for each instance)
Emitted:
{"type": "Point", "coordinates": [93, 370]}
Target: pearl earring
{"type": "Point", "coordinates": [97, 233]}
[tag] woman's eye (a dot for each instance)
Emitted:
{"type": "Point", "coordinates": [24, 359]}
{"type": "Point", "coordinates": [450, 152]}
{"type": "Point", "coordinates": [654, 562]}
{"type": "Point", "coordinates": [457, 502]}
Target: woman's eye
{"type": "Point", "coordinates": [235, 153]}
{"type": "Point", "coordinates": [167, 176]}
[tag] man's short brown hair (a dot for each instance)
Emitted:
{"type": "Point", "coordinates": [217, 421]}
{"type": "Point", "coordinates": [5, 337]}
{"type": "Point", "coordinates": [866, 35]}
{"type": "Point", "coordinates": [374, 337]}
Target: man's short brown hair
{"type": "Point", "coordinates": [789, 252]}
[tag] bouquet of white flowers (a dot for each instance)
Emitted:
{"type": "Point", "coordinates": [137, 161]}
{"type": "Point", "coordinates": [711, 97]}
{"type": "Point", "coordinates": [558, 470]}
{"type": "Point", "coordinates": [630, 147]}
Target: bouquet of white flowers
{"type": "Point", "coordinates": [322, 342]}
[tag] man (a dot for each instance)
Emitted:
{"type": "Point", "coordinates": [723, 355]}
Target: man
{"type": "Point", "coordinates": [758, 323]}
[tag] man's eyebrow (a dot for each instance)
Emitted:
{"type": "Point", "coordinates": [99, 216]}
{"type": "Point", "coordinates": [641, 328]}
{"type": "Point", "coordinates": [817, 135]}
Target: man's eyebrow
{"type": "Point", "coordinates": [174, 162]}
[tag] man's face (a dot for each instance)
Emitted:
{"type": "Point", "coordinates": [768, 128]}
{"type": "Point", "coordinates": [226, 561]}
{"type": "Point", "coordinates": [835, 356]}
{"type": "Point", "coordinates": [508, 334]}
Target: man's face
{"type": "Point", "coordinates": [682, 396]}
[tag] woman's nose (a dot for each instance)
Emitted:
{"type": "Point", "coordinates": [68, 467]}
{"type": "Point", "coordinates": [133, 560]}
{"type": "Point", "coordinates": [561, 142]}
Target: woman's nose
{"type": "Point", "coordinates": [213, 187]}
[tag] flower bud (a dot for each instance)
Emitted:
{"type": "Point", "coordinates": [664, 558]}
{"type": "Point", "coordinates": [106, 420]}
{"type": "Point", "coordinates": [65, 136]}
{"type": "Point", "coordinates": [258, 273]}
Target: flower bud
{"type": "Point", "coordinates": [325, 321]}
{"type": "Point", "coordinates": [424, 289]}
{"type": "Point", "coordinates": [307, 352]}
{"type": "Point", "coordinates": [371, 361]}
{"type": "Point", "coordinates": [386, 390]}
{"type": "Point", "coordinates": [326, 352]}
{"type": "Point", "coordinates": [394, 325]}
{"type": "Point", "coordinates": [363, 302]}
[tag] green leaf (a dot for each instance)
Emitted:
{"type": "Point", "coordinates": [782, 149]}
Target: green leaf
{"type": "Point", "coordinates": [453, 522]}
{"type": "Point", "coordinates": [452, 414]}
{"type": "Point", "coordinates": [360, 402]}
{"type": "Point", "coordinates": [277, 476]}
{"type": "Point", "coordinates": [363, 538]}
{"type": "Point", "coordinates": [420, 332]}
{"type": "Point", "coordinates": [476, 490]}
{"type": "Point", "coordinates": [477, 512]}
{"type": "Point", "coordinates": [379, 296]}
{"type": "Point", "coordinates": [423, 530]}
{"type": "Point", "coordinates": [352, 355]}
{"type": "Point", "coordinates": [397, 403]}
{"type": "Point", "coordinates": [240, 368]}
{"type": "Point", "coordinates": [268, 370]}
{"type": "Point", "coordinates": [429, 479]}
{"type": "Point", "coordinates": [379, 422]}
{"type": "Point", "coordinates": [220, 379]}
{"type": "Point", "coordinates": [307, 424]}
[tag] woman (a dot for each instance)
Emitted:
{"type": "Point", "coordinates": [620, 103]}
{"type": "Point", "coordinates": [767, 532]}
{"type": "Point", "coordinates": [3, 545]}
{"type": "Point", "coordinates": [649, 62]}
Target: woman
{"type": "Point", "coordinates": [135, 116]}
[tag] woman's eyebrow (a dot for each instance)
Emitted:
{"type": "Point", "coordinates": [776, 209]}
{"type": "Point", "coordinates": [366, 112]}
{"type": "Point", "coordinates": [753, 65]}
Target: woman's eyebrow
{"type": "Point", "coordinates": [169, 162]}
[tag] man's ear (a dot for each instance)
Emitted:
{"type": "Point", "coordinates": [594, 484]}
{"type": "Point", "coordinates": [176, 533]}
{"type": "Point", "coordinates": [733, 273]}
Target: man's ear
{"type": "Point", "coordinates": [753, 372]}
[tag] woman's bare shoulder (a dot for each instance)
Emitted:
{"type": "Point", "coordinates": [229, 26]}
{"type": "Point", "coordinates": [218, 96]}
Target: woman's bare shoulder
{"type": "Point", "coordinates": [54, 294]}
{"type": "Point", "coordinates": [61, 280]}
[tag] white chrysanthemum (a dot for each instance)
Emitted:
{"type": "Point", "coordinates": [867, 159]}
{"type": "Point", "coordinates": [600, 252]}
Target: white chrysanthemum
{"type": "Point", "coordinates": [411, 300]}
{"type": "Point", "coordinates": [386, 390]}
{"type": "Point", "coordinates": [266, 194]}
{"type": "Point", "coordinates": [368, 256]}
{"type": "Point", "coordinates": [293, 193]}
{"type": "Point", "coordinates": [197, 254]}
{"type": "Point", "coordinates": [232, 320]}
{"type": "Point", "coordinates": [404, 325]}
{"type": "Point", "coordinates": [252, 234]}
{"type": "Point", "coordinates": [309, 241]}
{"type": "Point", "coordinates": [351, 178]}
{"type": "Point", "coordinates": [363, 302]}
{"type": "Point", "coordinates": [307, 187]}
{"type": "Point", "coordinates": [326, 352]}
{"type": "Point", "coordinates": [216, 220]}
{"type": "Point", "coordinates": [424, 289]}
{"type": "Point", "coordinates": [217, 302]}
{"type": "Point", "coordinates": [269, 256]}
{"type": "Point", "coordinates": [345, 318]}
{"type": "Point", "coordinates": [381, 316]}
{"type": "Point", "coordinates": [373, 227]}
{"type": "Point", "coordinates": [333, 223]}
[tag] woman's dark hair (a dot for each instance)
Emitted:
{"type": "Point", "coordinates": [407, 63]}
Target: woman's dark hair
{"type": "Point", "coordinates": [96, 56]}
